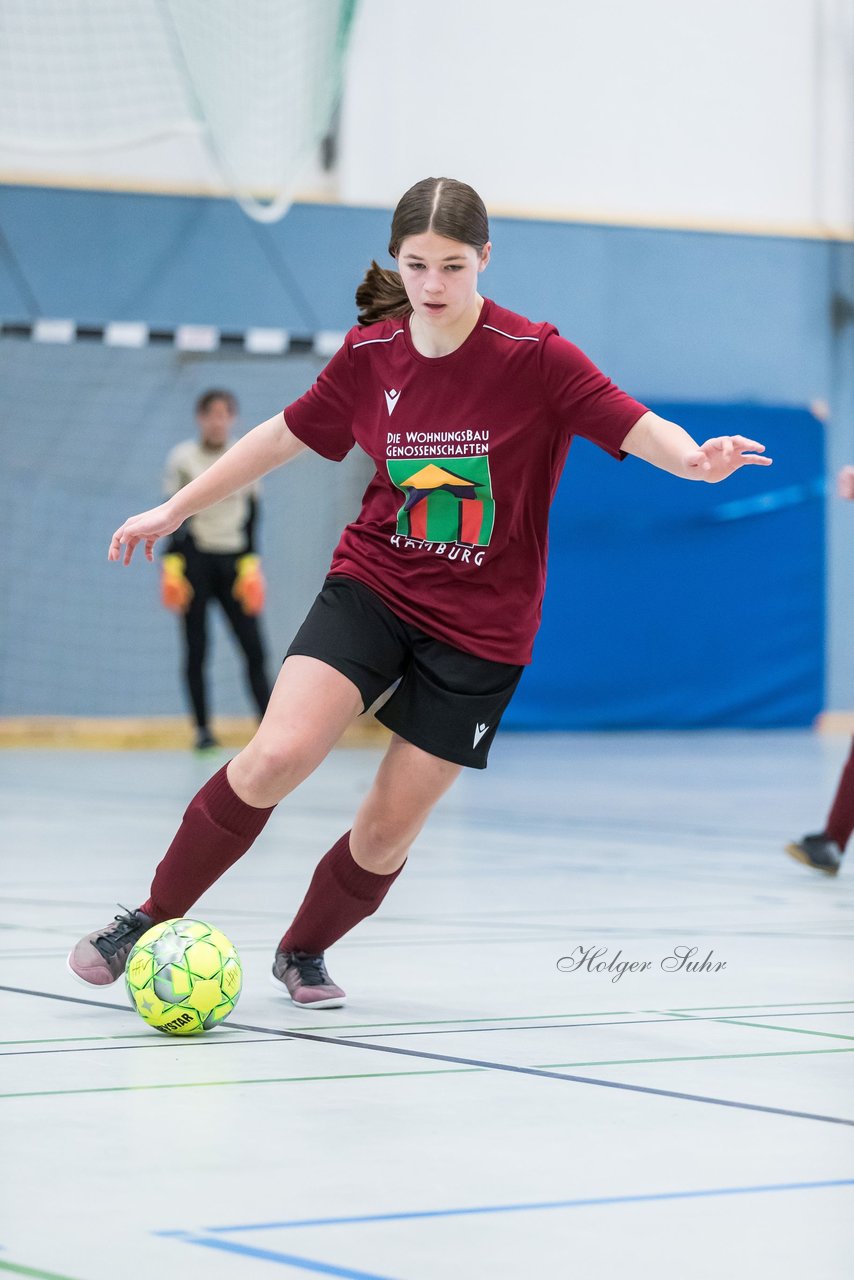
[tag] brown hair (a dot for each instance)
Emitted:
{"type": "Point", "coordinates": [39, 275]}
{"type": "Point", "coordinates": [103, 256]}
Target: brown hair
{"type": "Point", "coordinates": [209, 398]}
{"type": "Point", "coordinates": [443, 205]}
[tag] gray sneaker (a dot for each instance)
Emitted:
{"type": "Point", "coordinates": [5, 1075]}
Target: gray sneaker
{"type": "Point", "coordinates": [304, 978]}
{"type": "Point", "coordinates": [100, 957]}
{"type": "Point", "coordinates": [817, 851]}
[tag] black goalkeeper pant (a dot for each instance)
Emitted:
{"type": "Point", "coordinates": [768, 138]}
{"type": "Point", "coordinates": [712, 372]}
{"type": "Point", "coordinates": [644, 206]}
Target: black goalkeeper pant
{"type": "Point", "coordinates": [212, 577]}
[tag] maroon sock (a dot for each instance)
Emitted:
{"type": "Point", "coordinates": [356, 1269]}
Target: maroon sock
{"type": "Point", "coordinates": [341, 894]}
{"type": "Point", "coordinates": [840, 823]}
{"type": "Point", "coordinates": [218, 828]}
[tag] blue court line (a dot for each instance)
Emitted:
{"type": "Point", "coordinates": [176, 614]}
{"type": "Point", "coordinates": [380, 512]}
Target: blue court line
{"type": "Point", "coordinates": [286, 1259]}
{"type": "Point", "coordinates": [586, 1202]}
{"type": "Point", "coordinates": [348, 1273]}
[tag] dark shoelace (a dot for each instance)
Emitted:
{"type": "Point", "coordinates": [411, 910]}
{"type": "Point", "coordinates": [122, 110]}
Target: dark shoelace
{"type": "Point", "coordinates": [311, 969]}
{"type": "Point", "coordinates": [126, 929]}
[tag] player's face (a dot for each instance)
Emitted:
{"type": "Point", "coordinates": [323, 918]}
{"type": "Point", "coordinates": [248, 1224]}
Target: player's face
{"type": "Point", "coordinates": [440, 277]}
{"type": "Point", "coordinates": [215, 424]}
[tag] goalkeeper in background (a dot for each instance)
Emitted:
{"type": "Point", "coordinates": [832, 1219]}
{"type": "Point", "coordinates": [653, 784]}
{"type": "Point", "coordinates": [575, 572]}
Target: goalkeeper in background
{"type": "Point", "coordinates": [212, 557]}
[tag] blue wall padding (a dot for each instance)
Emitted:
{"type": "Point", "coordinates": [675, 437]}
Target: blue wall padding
{"type": "Point", "coordinates": [666, 313]}
{"type": "Point", "coordinates": [679, 605]}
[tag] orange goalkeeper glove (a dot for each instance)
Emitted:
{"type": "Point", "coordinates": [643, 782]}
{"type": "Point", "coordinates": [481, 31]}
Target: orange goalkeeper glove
{"type": "Point", "coordinates": [175, 590]}
{"type": "Point", "coordinates": [249, 588]}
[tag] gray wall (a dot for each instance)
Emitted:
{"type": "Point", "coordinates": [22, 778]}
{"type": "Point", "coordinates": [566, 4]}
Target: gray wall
{"type": "Point", "coordinates": [85, 432]}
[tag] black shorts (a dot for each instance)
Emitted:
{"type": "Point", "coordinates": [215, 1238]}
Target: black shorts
{"type": "Point", "coordinates": [448, 703]}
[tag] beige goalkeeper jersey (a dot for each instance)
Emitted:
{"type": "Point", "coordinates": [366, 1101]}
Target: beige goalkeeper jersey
{"type": "Point", "coordinates": [222, 527]}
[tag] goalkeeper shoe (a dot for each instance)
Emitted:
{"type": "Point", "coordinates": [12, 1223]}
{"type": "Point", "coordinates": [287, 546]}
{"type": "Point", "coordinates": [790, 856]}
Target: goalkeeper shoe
{"type": "Point", "coordinates": [304, 978]}
{"type": "Point", "coordinates": [100, 957]}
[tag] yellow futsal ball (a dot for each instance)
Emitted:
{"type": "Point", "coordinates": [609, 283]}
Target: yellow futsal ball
{"type": "Point", "coordinates": [183, 977]}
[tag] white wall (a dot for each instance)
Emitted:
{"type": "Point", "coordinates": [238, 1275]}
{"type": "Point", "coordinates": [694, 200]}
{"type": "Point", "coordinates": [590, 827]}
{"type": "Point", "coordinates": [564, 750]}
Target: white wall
{"type": "Point", "coordinates": [735, 113]}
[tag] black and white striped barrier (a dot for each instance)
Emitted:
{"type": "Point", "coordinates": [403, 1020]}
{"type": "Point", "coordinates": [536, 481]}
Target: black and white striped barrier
{"type": "Point", "coordinates": [185, 337]}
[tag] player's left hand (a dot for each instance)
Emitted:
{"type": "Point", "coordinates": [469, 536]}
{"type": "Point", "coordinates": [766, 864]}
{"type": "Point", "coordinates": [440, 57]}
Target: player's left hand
{"type": "Point", "coordinates": [721, 456]}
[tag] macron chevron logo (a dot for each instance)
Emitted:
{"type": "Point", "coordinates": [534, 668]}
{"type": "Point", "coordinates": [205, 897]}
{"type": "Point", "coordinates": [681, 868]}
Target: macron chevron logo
{"type": "Point", "coordinates": [391, 399]}
{"type": "Point", "coordinates": [480, 730]}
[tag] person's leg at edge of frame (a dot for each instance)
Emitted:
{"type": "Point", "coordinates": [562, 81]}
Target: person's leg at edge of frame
{"type": "Point", "coordinates": [310, 708]}
{"type": "Point", "coordinates": [840, 822]}
{"type": "Point", "coordinates": [824, 850]}
{"type": "Point", "coordinates": [352, 879]}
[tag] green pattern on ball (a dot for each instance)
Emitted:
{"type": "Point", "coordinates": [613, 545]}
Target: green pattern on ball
{"type": "Point", "coordinates": [183, 977]}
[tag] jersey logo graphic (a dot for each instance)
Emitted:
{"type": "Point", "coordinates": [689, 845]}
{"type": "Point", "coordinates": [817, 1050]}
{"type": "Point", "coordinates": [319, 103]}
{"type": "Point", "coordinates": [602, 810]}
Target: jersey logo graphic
{"type": "Point", "coordinates": [391, 399]}
{"type": "Point", "coordinates": [479, 732]}
{"type": "Point", "coordinates": [447, 500]}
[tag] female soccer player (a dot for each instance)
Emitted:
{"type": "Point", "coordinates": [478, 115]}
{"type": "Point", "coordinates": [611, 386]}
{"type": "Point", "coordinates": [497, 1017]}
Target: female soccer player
{"type": "Point", "coordinates": [468, 412]}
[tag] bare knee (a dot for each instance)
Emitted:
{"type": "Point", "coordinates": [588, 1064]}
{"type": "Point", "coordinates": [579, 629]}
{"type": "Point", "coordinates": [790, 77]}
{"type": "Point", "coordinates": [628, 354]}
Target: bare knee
{"type": "Point", "coordinates": [265, 772]}
{"type": "Point", "coordinates": [380, 844]}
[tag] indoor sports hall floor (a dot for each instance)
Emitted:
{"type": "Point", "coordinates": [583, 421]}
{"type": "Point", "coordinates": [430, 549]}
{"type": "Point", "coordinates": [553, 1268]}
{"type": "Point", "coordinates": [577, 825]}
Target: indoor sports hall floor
{"type": "Point", "coordinates": [475, 1111]}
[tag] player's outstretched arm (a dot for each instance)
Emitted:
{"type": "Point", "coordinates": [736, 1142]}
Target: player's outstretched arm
{"type": "Point", "coordinates": [669, 447]}
{"type": "Point", "coordinates": [262, 449]}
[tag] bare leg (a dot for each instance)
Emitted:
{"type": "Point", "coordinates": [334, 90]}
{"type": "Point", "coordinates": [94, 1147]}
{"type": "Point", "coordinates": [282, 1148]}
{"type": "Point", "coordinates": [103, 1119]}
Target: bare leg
{"type": "Point", "coordinates": [408, 784]}
{"type": "Point", "coordinates": [351, 880]}
{"type": "Point", "coordinates": [310, 707]}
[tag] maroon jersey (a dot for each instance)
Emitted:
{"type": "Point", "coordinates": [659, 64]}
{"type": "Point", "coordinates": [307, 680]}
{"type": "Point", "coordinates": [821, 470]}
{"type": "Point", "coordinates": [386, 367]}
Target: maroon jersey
{"type": "Point", "coordinates": [468, 447]}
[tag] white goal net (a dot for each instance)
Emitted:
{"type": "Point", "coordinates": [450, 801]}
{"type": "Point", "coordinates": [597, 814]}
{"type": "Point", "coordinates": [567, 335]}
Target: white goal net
{"type": "Point", "coordinates": [255, 82]}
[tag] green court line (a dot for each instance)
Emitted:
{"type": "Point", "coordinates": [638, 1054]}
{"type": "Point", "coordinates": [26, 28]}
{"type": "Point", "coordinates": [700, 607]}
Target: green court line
{"type": "Point", "coordinates": [131, 1035]}
{"type": "Point", "coordinates": [765, 1026]}
{"type": "Point", "coordinates": [460, 1022]}
{"type": "Point", "coordinates": [454, 1022]}
{"type": "Point", "coordinates": [234, 1036]}
{"type": "Point", "coordinates": [532, 1017]}
{"type": "Point", "coordinates": [382, 1075]}
{"type": "Point", "coordinates": [31, 1271]}
{"type": "Point", "coordinates": [710, 1008]}
{"type": "Point", "coordinates": [231, 1037]}
{"type": "Point", "coordinates": [215, 1084]}
{"type": "Point", "coordinates": [797, 1031]}
{"type": "Point", "coordinates": [544, 1017]}
{"type": "Point", "coordinates": [699, 1057]}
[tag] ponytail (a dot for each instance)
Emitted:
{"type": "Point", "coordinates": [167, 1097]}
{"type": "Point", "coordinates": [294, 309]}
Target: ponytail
{"type": "Point", "coordinates": [381, 296]}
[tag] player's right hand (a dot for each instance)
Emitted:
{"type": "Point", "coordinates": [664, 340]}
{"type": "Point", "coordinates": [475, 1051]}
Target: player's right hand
{"type": "Point", "coordinates": [146, 527]}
